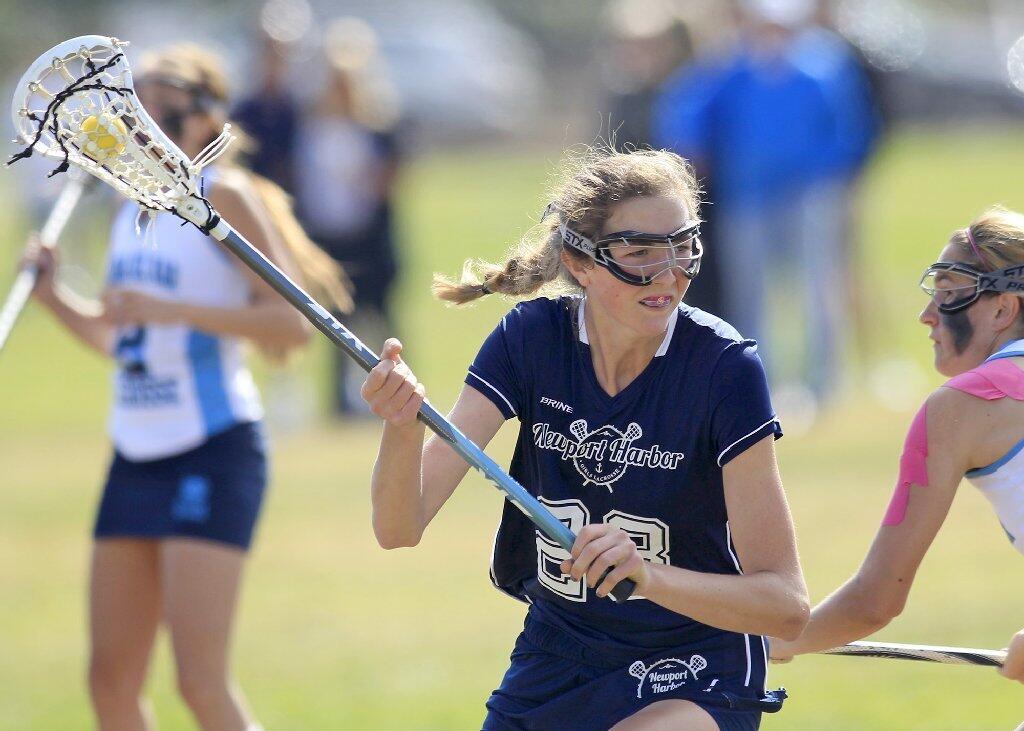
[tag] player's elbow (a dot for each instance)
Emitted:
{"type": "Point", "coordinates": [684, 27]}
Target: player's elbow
{"type": "Point", "coordinates": [297, 333]}
{"type": "Point", "coordinates": [292, 333]}
{"type": "Point", "coordinates": [390, 538]}
{"type": "Point", "coordinates": [877, 612]}
{"type": "Point", "coordinates": [877, 606]}
{"type": "Point", "coordinates": [303, 333]}
{"type": "Point", "coordinates": [389, 542]}
{"type": "Point", "coordinates": [794, 617]}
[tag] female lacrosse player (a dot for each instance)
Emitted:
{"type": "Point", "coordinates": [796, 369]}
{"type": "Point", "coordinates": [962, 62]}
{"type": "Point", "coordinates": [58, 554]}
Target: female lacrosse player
{"type": "Point", "coordinates": [970, 427]}
{"type": "Point", "coordinates": [646, 427]}
{"type": "Point", "coordinates": [189, 469]}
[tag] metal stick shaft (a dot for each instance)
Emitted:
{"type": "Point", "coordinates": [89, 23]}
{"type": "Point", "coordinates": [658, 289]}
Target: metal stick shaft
{"type": "Point", "coordinates": [25, 282]}
{"type": "Point", "coordinates": [367, 359]}
{"type": "Point", "coordinates": [922, 653]}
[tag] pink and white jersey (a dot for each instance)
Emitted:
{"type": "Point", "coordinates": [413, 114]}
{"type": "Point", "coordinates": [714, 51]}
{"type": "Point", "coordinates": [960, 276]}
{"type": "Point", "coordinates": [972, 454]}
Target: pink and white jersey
{"type": "Point", "coordinates": [1002, 482]}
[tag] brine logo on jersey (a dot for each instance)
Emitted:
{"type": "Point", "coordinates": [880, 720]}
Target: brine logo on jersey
{"type": "Point", "coordinates": [665, 675]}
{"type": "Point", "coordinates": [555, 404]}
{"type": "Point", "coordinates": [602, 456]}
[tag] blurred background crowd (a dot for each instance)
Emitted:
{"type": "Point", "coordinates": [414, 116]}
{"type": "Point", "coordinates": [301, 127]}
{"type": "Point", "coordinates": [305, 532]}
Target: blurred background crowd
{"type": "Point", "coordinates": [780, 105]}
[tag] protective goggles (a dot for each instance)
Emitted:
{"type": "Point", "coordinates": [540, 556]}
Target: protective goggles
{"type": "Point", "coordinates": [201, 101]}
{"type": "Point", "coordinates": [956, 286]}
{"type": "Point", "coordinates": [639, 258]}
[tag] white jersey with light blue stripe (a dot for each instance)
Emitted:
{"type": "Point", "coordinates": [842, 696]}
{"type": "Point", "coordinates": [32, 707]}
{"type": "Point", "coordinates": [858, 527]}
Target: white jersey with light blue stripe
{"type": "Point", "coordinates": [1002, 482]}
{"type": "Point", "coordinates": [175, 386]}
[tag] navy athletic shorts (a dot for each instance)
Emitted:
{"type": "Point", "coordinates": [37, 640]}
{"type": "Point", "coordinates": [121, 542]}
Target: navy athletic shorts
{"type": "Point", "coordinates": [212, 492]}
{"type": "Point", "coordinates": [555, 682]}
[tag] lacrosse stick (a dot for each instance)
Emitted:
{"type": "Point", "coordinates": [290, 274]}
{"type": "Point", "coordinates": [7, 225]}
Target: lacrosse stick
{"type": "Point", "coordinates": [26, 279]}
{"type": "Point", "coordinates": [76, 103]}
{"type": "Point", "coordinates": [924, 653]}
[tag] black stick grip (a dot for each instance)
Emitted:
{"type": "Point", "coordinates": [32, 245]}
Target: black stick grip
{"type": "Point", "coordinates": [621, 591]}
{"type": "Point", "coordinates": [624, 590]}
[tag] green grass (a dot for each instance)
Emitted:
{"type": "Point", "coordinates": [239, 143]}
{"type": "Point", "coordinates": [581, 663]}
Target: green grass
{"type": "Point", "coordinates": [335, 633]}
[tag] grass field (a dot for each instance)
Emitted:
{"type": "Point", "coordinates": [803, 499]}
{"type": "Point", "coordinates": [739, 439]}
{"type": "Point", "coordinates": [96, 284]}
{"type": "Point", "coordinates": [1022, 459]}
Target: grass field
{"type": "Point", "coordinates": [335, 633]}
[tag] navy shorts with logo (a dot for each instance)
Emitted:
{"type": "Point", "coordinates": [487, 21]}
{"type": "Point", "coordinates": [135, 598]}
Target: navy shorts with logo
{"type": "Point", "coordinates": [555, 682]}
{"type": "Point", "coordinates": [212, 492]}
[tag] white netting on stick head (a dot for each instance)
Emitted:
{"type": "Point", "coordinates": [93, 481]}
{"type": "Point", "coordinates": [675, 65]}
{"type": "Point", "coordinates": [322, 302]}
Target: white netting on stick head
{"type": "Point", "coordinates": [77, 103]}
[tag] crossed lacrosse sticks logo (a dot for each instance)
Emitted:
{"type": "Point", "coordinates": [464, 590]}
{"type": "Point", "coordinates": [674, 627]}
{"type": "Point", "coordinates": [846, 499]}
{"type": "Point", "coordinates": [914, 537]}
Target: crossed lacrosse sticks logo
{"type": "Point", "coordinates": [668, 674]}
{"type": "Point", "coordinates": [603, 468]}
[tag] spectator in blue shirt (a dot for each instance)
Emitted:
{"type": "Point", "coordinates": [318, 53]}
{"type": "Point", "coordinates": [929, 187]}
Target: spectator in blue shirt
{"type": "Point", "coordinates": [784, 122]}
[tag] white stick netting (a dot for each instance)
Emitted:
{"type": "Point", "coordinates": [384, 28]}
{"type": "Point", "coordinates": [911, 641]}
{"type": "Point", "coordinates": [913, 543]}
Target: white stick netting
{"type": "Point", "coordinates": [77, 104]}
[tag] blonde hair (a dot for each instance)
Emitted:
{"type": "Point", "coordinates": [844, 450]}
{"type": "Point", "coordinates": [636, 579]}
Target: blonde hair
{"type": "Point", "coordinates": [998, 235]}
{"type": "Point", "coordinates": [190, 64]}
{"type": "Point", "coordinates": [353, 57]}
{"type": "Point", "coordinates": [203, 72]}
{"type": "Point", "coordinates": [588, 185]}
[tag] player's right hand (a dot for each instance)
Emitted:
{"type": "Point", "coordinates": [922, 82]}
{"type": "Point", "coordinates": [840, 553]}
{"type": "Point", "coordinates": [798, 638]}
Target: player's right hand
{"type": "Point", "coordinates": [44, 258]}
{"type": "Point", "coordinates": [1013, 667]}
{"type": "Point", "coordinates": [391, 389]}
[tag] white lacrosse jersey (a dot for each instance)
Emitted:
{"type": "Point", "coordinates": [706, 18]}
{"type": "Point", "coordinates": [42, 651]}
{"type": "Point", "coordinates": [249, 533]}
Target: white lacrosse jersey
{"type": "Point", "coordinates": [174, 386]}
{"type": "Point", "coordinates": [1001, 482]}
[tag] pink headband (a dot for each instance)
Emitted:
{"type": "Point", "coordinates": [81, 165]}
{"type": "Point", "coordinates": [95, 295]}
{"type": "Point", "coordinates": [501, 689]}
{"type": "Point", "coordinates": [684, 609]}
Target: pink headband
{"type": "Point", "coordinates": [974, 246]}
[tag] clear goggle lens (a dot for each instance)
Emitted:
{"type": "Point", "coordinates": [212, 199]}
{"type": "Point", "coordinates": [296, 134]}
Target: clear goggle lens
{"type": "Point", "coordinates": [647, 256]}
{"type": "Point", "coordinates": [631, 256]}
{"type": "Point", "coordinates": [951, 287]}
{"type": "Point", "coordinates": [948, 287]}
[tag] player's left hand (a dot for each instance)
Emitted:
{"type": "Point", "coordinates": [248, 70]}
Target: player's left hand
{"type": "Point", "coordinates": [599, 547]}
{"type": "Point", "coordinates": [779, 651]}
{"type": "Point", "coordinates": [124, 307]}
{"type": "Point", "coordinates": [1013, 668]}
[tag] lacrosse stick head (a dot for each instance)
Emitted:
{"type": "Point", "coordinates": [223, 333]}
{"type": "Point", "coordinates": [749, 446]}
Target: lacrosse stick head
{"type": "Point", "coordinates": [77, 103]}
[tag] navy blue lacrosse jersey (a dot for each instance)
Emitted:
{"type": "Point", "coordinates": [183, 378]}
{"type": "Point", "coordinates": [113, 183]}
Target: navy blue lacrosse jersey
{"type": "Point", "coordinates": [648, 460]}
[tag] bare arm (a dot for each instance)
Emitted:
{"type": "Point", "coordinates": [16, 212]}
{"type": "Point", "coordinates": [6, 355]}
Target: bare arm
{"type": "Point", "coordinates": [411, 481]}
{"type": "Point", "coordinates": [768, 598]}
{"type": "Point", "coordinates": [84, 318]}
{"type": "Point", "coordinates": [877, 593]}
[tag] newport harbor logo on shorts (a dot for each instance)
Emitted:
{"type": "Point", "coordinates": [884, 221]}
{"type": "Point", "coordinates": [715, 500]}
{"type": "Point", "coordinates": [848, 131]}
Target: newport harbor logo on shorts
{"type": "Point", "coordinates": [602, 456]}
{"type": "Point", "coordinates": [666, 675]}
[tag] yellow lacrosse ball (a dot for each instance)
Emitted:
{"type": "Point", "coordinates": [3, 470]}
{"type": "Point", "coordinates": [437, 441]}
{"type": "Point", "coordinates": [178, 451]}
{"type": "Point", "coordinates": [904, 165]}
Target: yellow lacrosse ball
{"type": "Point", "coordinates": [103, 137]}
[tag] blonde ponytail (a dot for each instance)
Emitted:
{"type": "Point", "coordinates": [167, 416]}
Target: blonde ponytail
{"type": "Point", "coordinates": [536, 263]}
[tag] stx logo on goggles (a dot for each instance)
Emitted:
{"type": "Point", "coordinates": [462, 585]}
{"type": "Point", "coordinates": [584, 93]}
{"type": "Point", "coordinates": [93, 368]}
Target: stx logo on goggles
{"type": "Point", "coordinates": [576, 240]}
{"type": "Point", "coordinates": [993, 283]}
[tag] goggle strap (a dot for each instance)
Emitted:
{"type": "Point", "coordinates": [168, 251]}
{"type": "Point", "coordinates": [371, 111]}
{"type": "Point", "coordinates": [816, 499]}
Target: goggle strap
{"type": "Point", "coordinates": [1009, 279]}
{"type": "Point", "coordinates": [577, 240]}
{"type": "Point", "coordinates": [988, 283]}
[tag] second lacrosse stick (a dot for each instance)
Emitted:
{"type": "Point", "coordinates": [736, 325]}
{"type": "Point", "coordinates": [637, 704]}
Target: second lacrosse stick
{"type": "Point", "coordinates": [25, 282]}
